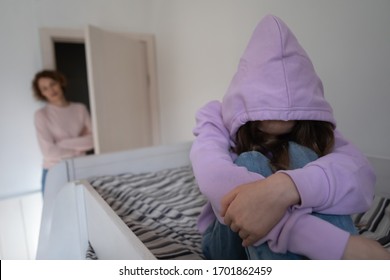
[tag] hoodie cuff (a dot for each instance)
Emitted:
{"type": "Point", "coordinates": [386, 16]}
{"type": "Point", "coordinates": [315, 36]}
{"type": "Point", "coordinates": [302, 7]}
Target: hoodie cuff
{"type": "Point", "coordinates": [312, 185]}
{"type": "Point", "coordinates": [317, 239]}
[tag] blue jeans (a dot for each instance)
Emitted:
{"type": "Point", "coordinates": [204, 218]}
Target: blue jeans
{"type": "Point", "coordinates": [220, 242]}
{"type": "Point", "coordinates": [43, 182]}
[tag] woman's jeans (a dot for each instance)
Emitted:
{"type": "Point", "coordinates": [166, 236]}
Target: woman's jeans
{"type": "Point", "coordinates": [43, 182]}
{"type": "Point", "coordinates": [220, 242]}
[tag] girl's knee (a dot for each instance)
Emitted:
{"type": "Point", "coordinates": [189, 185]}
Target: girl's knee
{"type": "Point", "coordinates": [255, 162]}
{"type": "Point", "coordinates": [300, 155]}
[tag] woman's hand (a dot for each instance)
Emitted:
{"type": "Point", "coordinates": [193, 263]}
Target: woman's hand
{"type": "Point", "coordinates": [254, 209]}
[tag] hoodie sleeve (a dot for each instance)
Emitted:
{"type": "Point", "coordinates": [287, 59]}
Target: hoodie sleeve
{"type": "Point", "coordinates": [310, 236]}
{"type": "Point", "coordinates": [339, 183]}
{"type": "Point", "coordinates": [213, 166]}
{"type": "Point", "coordinates": [304, 234]}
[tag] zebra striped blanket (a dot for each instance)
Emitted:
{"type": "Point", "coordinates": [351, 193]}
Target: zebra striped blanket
{"type": "Point", "coordinates": [375, 223]}
{"type": "Point", "coordinates": [161, 208]}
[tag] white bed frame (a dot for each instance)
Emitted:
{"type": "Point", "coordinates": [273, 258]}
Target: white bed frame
{"type": "Point", "coordinates": [74, 214]}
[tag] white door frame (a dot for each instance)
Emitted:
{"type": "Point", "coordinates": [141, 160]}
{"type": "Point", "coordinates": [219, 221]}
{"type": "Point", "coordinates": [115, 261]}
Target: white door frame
{"type": "Point", "coordinates": [49, 36]}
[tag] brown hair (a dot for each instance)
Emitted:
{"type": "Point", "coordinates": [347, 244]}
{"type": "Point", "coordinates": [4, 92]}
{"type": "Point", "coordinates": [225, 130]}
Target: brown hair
{"type": "Point", "coordinates": [316, 135]}
{"type": "Point", "coordinates": [52, 74]}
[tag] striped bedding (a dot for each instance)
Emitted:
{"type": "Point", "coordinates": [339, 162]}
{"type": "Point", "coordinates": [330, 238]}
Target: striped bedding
{"type": "Point", "coordinates": [375, 223]}
{"type": "Point", "coordinates": [161, 208]}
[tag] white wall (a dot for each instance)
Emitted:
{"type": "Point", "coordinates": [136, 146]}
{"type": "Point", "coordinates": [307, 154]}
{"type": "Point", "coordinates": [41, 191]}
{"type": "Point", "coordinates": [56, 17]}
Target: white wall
{"type": "Point", "coordinates": [20, 58]}
{"type": "Point", "coordinates": [199, 43]}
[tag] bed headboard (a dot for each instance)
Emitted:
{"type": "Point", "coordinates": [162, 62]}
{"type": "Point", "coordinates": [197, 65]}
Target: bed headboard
{"type": "Point", "coordinates": [158, 157]}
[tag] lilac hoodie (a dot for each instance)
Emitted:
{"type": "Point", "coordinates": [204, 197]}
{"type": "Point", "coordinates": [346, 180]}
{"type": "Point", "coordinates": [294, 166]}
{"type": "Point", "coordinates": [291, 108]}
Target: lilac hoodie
{"type": "Point", "coordinates": [276, 80]}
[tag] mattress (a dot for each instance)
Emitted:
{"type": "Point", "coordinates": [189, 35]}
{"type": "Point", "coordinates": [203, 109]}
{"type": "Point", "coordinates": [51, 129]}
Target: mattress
{"type": "Point", "coordinates": [162, 208]}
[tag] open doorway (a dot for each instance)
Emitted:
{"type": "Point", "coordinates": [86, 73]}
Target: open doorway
{"type": "Point", "coordinates": [71, 61]}
{"type": "Point", "coordinates": [114, 75]}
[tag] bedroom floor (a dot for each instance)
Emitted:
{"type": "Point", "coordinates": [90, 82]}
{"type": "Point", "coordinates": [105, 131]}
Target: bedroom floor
{"type": "Point", "coordinates": [19, 226]}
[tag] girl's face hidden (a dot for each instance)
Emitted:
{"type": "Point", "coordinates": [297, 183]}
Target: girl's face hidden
{"type": "Point", "coordinates": [51, 90]}
{"type": "Point", "coordinates": [276, 127]}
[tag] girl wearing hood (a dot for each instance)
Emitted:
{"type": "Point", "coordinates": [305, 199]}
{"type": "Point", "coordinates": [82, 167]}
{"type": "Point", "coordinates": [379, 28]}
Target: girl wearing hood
{"type": "Point", "coordinates": [280, 179]}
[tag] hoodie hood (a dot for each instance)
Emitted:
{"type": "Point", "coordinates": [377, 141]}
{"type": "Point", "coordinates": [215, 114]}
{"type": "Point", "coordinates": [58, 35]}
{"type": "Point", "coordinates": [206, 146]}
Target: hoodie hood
{"type": "Point", "coordinates": [275, 80]}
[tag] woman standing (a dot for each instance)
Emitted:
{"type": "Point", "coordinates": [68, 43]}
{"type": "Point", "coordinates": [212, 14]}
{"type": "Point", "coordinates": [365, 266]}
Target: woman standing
{"type": "Point", "coordinates": [63, 128]}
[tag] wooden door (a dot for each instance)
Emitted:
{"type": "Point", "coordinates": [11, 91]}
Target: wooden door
{"type": "Point", "coordinates": [119, 91]}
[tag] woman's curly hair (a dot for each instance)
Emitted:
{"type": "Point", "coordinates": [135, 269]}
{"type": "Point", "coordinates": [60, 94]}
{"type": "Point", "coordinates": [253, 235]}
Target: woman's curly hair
{"type": "Point", "coordinates": [52, 74]}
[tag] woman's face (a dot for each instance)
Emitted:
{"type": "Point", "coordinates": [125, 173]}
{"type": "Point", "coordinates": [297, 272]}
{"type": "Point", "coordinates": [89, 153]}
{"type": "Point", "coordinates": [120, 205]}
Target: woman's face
{"type": "Point", "coordinates": [276, 127]}
{"type": "Point", "coordinates": [51, 90]}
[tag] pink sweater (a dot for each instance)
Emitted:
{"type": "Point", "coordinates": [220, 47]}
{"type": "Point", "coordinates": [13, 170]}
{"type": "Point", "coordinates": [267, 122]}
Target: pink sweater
{"type": "Point", "coordinates": [63, 132]}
